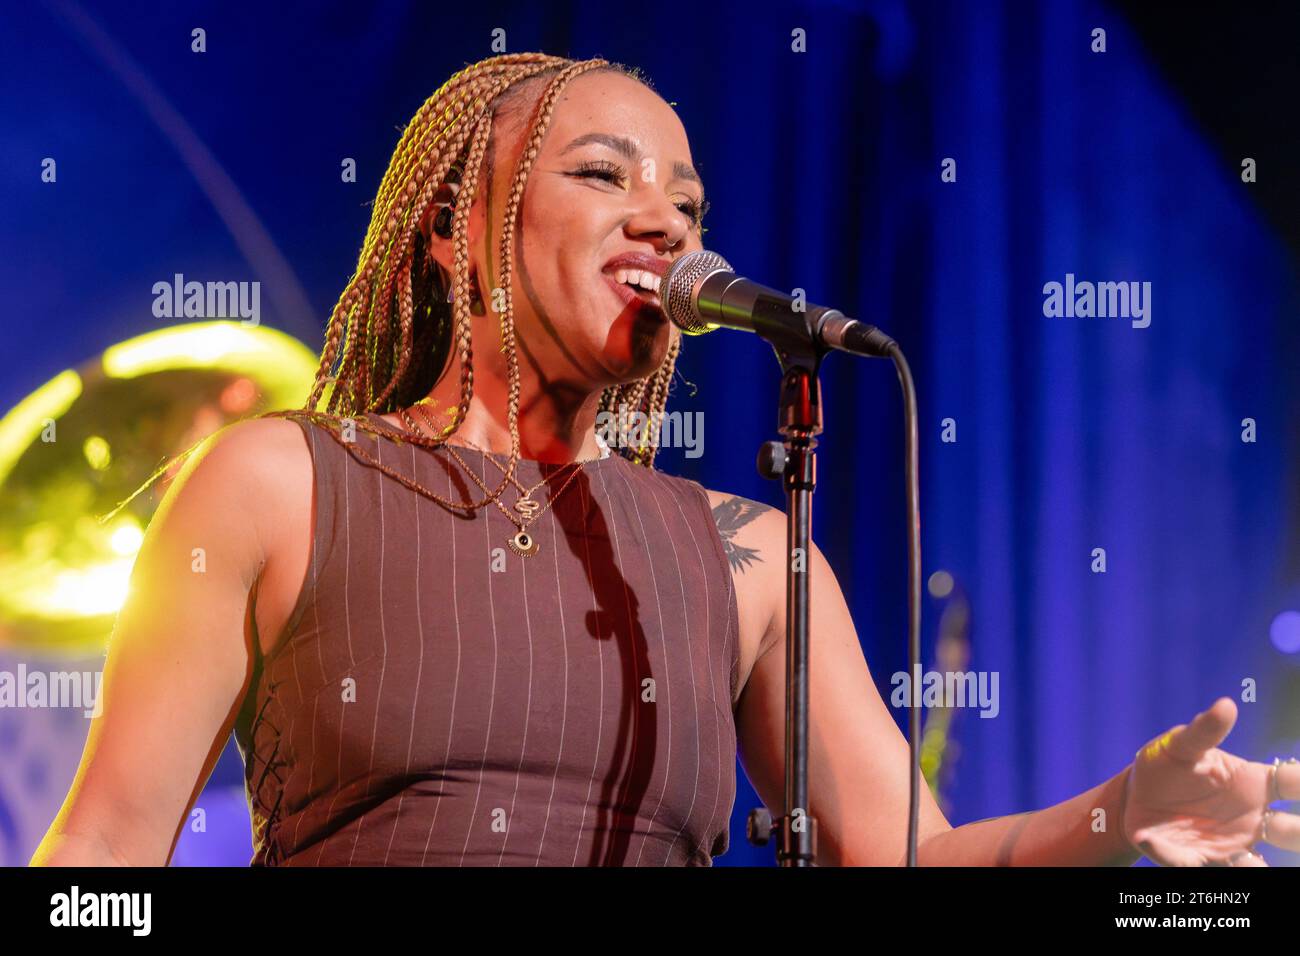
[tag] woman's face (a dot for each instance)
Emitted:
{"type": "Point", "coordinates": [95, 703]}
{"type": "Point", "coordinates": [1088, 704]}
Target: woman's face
{"type": "Point", "coordinates": [611, 193]}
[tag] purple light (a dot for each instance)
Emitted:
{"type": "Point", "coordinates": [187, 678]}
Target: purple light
{"type": "Point", "coordinates": [1284, 632]}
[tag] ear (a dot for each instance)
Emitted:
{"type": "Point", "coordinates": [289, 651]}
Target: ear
{"type": "Point", "coordinates": [439, 249]}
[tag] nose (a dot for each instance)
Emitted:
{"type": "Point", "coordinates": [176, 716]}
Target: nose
{"type": "Point", "coordinates": [658, 220]}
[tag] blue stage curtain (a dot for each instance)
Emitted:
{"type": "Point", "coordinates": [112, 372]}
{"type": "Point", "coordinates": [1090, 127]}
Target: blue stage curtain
{"type": "Point", "coordinates": [1072, 433]}
{"type": "Point", "coordinates": [823, 168]}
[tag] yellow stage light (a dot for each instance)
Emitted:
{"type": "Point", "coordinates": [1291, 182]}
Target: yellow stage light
{"type": "Point", "coordinates": [88, 438]}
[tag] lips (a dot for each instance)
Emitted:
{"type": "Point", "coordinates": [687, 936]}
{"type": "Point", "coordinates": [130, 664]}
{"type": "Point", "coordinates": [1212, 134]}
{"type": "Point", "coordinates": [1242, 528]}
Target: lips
{"type": "Point", "coordinates": [633, 296]}
{"type": "Point", "coordinates": [637, 270]}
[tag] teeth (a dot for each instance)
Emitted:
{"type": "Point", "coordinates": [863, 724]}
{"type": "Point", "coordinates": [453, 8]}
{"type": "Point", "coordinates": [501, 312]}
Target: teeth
{"type": "Point", "coordinates": [637, 277]}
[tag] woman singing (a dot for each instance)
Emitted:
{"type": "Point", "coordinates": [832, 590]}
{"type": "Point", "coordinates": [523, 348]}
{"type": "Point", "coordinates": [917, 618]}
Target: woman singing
{"type": "Point", "coordinates": [451, 622]}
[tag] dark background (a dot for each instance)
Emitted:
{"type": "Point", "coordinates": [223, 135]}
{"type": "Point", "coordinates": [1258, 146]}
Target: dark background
{"type": "Point", "coordinates": [823, 171]}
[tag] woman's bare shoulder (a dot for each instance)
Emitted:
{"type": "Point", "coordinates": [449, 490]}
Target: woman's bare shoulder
{"type": "Point", "coordinates": [262, 479]}
{"type": "Point", "coordinates": [251, 475]}
{"type": "Point", "coordinates": [265, 435]}
{"type": "Point", "coordinates": [749, 529]}
{"type": "Point", "coordinates": [753, 540]}
{"type": "Point", "coordinates": [266, 456]}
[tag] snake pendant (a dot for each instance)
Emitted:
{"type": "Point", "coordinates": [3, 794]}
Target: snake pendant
{"type": "Point", "coordinates": [523, 543]}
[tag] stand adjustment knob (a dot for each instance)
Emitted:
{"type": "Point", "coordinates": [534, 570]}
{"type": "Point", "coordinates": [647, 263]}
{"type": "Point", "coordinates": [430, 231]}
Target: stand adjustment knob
{"type": "Point", "coordinates": [771, 459]}
{"type": "Point", "coordinates": [758, 826]}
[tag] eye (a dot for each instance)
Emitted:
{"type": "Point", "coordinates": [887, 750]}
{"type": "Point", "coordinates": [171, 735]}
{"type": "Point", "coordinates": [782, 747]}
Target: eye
{"type": "Point", "coordinates": [615, 175]}
{"type": "Point", "coordinates": [695, 211]}
{"type": "Point", "coordinates": [601, 169]}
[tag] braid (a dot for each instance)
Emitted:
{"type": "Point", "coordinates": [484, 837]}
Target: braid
{"type": "Point", "coordinates": [649, 396]}
{"type": "Point", "coordinates": [390, 336]}
{"type": "Point", "coordinates": [657, 400]}
{"type": "Point", "coordinates": [545, 109]}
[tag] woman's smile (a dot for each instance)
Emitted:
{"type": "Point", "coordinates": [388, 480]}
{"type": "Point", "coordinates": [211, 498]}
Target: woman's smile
{"type": "Point", "coordinates": [635, 278]}
{"type": "Point", "coordinates": [645, 300]}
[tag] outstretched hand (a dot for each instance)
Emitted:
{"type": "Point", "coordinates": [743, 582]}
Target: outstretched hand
{"type": "Point", "coordinates": [1191, 804]}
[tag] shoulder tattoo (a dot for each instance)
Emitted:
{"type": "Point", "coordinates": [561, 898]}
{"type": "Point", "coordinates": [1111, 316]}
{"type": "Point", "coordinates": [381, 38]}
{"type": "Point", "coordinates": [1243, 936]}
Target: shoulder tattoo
{"type": "Point", "coordinates": [731, 515]}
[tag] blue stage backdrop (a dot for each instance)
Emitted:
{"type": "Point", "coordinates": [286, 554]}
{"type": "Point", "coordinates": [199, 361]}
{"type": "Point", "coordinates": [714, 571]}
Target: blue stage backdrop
{"type": "Point", "coordinates": [930, 167]}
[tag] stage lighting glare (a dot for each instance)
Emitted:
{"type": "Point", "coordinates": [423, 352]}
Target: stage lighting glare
{"type": "Point", "coordinates": [1285, 632]}
{"type": "Point", "coordinates": [97, 589]}
{"type": "Point", "coordinates": [940, 584]}
{"type": "Point", "coordinates": [28, 418]}
{"type": "Point", "coordinates": [97, 452]}
{"type": "Point", "coordinates": [127, 538]}
{"type": "Point", "coordinates": [57, 592]}
{"type": "Point", "coordinates": [270, 357]}
{"type": "Point", "coordinates": [84, 441]}
{"type": "Point", "coordinates": [238, 397]}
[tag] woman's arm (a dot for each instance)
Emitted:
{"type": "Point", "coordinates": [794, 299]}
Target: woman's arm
{"type": "Point", "coordinates": [1182, 802]}
{"type": "Point", "coordinates": [1067, 834]}
{"type": "Point", "coordinates": [859, 760]}
{"type": "Point", "coordinates": [179, 661]}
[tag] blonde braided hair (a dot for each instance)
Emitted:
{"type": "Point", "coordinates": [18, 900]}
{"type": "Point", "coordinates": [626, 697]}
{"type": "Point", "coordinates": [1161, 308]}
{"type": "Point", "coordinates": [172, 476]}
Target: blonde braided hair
{"type": "Point", "coordinates": [391, 322]}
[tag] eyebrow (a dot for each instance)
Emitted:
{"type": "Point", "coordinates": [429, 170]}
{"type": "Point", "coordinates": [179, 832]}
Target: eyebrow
{"type": "Point", "coordinates": [625, 147]}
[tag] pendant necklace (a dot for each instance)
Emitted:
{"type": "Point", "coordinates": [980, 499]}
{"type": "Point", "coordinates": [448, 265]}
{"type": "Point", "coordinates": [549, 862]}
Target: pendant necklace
{"type": "Point", "coordinates": [522, 542]}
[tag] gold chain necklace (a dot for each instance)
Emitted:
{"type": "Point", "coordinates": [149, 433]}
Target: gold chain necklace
{"type": "Point", "coordinates": [525, 505]}
{"type": "Point", "coordinates": [521, 543]}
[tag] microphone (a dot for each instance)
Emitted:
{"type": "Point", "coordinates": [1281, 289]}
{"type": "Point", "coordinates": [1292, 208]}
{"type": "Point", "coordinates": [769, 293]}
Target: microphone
{"type": "Point", "coordinates": [700, 293]}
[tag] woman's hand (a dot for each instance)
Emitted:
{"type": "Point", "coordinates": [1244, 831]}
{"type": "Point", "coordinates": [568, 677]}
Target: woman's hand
{"type": "Point", "coordinates": [1189, 803]}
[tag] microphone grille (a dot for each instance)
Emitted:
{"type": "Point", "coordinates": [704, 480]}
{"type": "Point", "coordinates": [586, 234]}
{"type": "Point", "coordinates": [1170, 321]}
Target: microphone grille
{"type": "Point", "coordinates": [678, 289]}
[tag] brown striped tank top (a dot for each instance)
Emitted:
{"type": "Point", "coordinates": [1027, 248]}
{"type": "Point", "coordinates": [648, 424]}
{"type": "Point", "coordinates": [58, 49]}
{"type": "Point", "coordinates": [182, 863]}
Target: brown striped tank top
{"type": "Point", "coordinates": [439, 700]}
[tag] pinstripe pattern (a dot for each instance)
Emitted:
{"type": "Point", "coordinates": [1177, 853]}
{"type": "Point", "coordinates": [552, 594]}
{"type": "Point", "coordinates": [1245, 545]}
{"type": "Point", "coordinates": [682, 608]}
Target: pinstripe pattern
{"type": "Point", "coordinates": [419, 670]}
{"type": "Point", "coordinates": [501, 717]}
{"type": "Point", "coordinates": [600, 711]}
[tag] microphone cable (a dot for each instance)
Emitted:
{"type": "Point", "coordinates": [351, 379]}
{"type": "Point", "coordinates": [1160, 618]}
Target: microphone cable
{"type": "Point", "coordinates": [911, 482]}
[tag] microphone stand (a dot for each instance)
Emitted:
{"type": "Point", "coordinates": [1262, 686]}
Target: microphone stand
{"type": "Point", "coordinates": [794, 461]}
{"type": "Point", "coordinates": [799, 346]}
